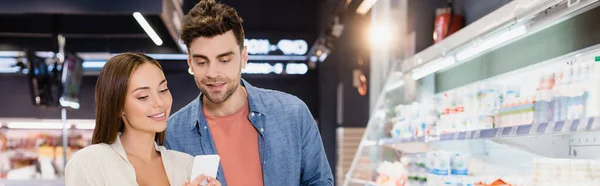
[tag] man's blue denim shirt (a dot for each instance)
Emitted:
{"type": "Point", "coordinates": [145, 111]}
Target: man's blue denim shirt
{"type": "Point", "coordinates": [290, 146]}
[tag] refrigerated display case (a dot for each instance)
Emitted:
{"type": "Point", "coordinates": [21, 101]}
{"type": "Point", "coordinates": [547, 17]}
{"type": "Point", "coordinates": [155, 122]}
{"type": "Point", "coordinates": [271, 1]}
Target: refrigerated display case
{"type": "Point", "coordinates": [512, 99]}
{"type": "Point", "coordinates": [32, 152]}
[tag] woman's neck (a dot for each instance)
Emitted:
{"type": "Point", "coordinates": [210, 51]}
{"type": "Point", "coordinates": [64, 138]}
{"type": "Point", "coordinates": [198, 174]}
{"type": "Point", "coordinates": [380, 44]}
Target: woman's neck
{"type": "Point", "coordinates": [139, 144]}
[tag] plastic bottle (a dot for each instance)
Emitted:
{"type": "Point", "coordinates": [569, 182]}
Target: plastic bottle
{"type": "Point", "coordinates": [556, 97]}
{"type": "Point", "coordinates": [586, 78]}
{"type": "Point", "coordinates": [551, 82]}
{"type": "Point", "coordinates": [542, 107]}
{"type": "Point", "coordinates": [565, 91]}
{"type": "Point", "coordinates": [538, 98]}
{"type": "Point", "coordinates": [593, 99]}
{"type": "Point", "coordinates": [575, 94]}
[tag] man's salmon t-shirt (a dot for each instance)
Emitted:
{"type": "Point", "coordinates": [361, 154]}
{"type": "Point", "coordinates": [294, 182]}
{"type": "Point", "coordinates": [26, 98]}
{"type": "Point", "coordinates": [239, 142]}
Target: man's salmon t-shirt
{"type": "Point", "coordinates": [236, 141]}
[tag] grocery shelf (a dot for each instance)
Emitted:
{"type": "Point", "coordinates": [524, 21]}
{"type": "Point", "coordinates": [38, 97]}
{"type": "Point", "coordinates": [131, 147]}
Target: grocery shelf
{"type": "Point", "coordinates": [551, 128]}
{"type": "Point", "coordinates": [514, 21]}
{"type": "Point", "coordinates": [498, 82]}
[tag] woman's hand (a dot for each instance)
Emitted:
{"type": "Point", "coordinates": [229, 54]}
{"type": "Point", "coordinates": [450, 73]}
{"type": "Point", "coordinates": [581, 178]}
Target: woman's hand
{"type": "Point", "coordinates": [213, 182]}
{"type": "Point", "coordinates": [210, 181]}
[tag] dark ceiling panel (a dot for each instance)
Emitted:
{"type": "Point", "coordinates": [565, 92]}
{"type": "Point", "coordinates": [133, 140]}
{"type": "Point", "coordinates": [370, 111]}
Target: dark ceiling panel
{"type": "Point", "coordinates": [36, 23]}
{"type": "Point", "coordinates": [93, 31]}
{"type": "Point", "coordinates": [80, 6]}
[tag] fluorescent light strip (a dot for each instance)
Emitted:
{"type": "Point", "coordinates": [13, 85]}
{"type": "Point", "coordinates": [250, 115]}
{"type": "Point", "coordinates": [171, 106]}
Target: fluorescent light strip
{"type": "Point", "coordinates": [94, 55]}
{"type": "Point", "coordinates": [9, 70]}
{"type": "Point", "coordinates": [432, 67]}
{"type": "Point", "coordinates": [259, 68]}
{"type": "Point", "coordinates": [93, 64]}
{"type": "Point", "coordinates": [11, 53]}
{"type": "Point", "coordinates": [45, 54]}
{"type": "Point", "coordinates": [251, 68]}
{"type": "Point", "coordinates": [296, 68]}
{"type": "Point", "coordinates": [7, 62]}
{"type": "Point", "coordinates": [168, 56]}
{"type": "Point", "coordinates": [491, 42]}
{"type": "Point", "coordinates": [250, 57]}
{"type": "Point", "coordinates": [365, 6]}
{"type": "Point", "coordinates": [144, 24]}
{"type": "Point", "coordinates": [85, 126]}
{"type": "Point", "coordinates": [276, 58]}
{"type": "Point", "coordinates": [34, 125]}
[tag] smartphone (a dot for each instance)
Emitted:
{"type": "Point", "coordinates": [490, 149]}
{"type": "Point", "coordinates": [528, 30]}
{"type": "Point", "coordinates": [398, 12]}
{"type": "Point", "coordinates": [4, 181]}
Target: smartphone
{"type": "Point", "coordinates": [207, 165]}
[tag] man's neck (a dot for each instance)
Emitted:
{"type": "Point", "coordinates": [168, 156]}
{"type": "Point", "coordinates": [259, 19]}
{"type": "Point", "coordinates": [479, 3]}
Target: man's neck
{"type": "Point", "coordinates": [233, 104]}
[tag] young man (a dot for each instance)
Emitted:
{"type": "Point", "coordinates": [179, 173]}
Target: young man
{"type": "Point", "coordinates": [263, 137]}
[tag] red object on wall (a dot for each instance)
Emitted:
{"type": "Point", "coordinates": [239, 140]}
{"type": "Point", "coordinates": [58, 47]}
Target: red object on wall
{"type": "Point", "coordinates": [444, 19]}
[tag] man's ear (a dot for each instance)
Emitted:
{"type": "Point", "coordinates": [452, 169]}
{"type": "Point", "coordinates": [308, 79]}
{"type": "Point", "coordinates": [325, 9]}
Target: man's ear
{"type": "Point", "coordinates": [189, 62]}
{"type": "Point", "coordinates": [244, 57]}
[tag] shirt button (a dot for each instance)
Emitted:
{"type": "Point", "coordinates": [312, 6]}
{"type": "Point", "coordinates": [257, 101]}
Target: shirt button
{"type": "Point", "coordinates": [252, 114]}
{"type": "Point", "coordinates": [205, 127]}
{"type": "Point", "coordinates": [262, 129]}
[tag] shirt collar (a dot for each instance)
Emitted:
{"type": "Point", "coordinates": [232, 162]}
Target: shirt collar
{"type": "Point", "coordinates": [254, 101]}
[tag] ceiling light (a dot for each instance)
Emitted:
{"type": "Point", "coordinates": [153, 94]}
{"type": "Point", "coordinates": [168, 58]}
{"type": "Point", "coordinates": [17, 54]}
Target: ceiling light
{"type": "Point", "coordinates": [147, 28]}
{"type": "Point", "coordinates": [365, 6]}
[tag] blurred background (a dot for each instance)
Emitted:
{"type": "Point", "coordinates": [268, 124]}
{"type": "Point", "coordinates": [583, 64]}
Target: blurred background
{"type": "Point", "coordinates": [405, 92]}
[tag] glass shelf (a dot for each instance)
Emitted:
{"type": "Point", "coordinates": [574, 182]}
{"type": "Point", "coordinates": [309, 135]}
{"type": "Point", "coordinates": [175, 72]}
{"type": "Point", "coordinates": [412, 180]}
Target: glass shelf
{"type": "Point", "coordinates": [551, 128]}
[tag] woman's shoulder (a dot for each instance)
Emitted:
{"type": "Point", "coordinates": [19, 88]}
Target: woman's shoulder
{"type": "Point", "coordinates": [90, 153]}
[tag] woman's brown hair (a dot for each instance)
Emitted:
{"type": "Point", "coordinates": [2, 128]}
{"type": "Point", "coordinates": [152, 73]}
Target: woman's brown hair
{"type": "Point", "coordinates": [111, 89]}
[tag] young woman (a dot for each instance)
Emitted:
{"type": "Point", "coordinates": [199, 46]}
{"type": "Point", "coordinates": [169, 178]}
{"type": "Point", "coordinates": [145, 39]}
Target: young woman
{"type": "Point", "coordinates": [132, 107]}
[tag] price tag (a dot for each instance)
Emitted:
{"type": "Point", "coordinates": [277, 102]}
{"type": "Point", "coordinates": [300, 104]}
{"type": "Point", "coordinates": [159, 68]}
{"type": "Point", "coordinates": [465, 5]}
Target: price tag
{"type": "Point", "coordinates": [499, 133]}
{"type": "Point", "coordinates": [455, 136]}
{"type": "Point", "coordinates": [534, 128]}
{"type": "Point", "coordinates": [550, 128]}
{"type": "Point", "coordinates": [477, 134]}
{"type": "Point", "coordinates": [594, 123]}
{"type": "Point", "coordinates": [513, 130]}
{"type": "Point", "coordinates": [583, 123]}
{"type": "Point", "coordinates": [567, 126]}
{"type": "Point", "coordinates": [468, 135]}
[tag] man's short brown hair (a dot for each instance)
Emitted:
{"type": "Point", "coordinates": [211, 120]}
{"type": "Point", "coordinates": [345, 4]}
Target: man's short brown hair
{"type": "Point", "coordinates": [208, 19]}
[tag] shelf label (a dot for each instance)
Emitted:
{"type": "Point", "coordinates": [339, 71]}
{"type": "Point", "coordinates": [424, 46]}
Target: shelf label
{"type": "Point", "coordinates": [468, 135]}
{"type": "Point", "coordinates": [550, 128]}
{"type": "Point", "coordinates": [583, 123]}
{"type": "Point", "coordinates": [567, 126]}
{"type": "Point", "coordinates": [594, 123]}
{"type": "Point", "coordinates": [477, 134]}
{"type": "Point", "coordinates": [499, 133]}
{"type": "Point", "coordinates": [534, 128]}
{"type": "Point", "coordinates": [513, 130]}
{"type": "Point", "coordinates": [455, 136]}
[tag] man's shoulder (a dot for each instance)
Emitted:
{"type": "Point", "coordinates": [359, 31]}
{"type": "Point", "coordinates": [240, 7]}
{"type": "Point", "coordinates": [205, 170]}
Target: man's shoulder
{"type": "Point", "coordinates": [274, 98]}
{"type": "Point", "coordinates": [185, 113]}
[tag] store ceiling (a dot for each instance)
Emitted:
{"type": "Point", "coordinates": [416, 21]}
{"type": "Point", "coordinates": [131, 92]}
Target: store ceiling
{"type": "Point", "coordinates": [99, 26]}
